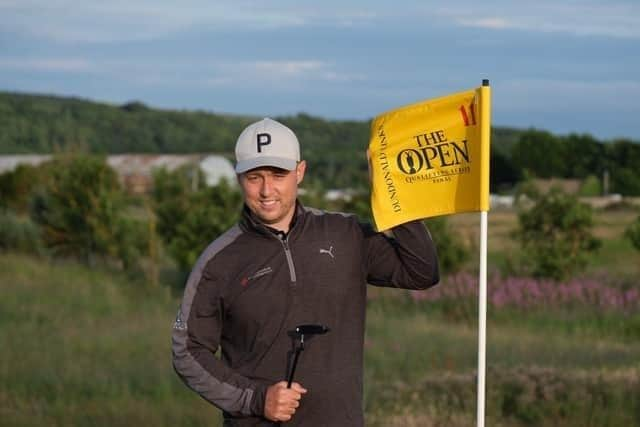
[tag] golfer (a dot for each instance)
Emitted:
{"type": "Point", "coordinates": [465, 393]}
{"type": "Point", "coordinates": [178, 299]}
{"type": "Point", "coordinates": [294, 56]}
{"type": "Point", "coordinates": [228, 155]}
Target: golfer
{"type": "Point", "coordinates": [285, 265]}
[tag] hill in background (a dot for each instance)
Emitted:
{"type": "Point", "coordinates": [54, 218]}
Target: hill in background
{"type": "Point", "coordinates": [335, 150]}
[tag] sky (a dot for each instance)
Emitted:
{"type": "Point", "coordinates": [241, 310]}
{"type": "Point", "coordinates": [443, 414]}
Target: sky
{"type": "Point", "coordinates": [558, 65]}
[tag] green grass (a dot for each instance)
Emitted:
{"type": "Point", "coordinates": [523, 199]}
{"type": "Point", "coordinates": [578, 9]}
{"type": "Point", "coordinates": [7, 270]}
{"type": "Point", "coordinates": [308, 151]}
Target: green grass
{"type": "Point", "coordinates": [421, 367]}
{"type": "Point", "coordinates": [92, 347]}
{"type": "Point", "coordinates": [85, 347]}
{"type": "Point", "coordinates": [616, 257]}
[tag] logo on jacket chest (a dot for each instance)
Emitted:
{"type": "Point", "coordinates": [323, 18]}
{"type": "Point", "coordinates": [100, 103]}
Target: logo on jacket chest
{"type": "Point", "coordinates": [262, 272]}
{"type": "Point", "coordinates": [328, 251]}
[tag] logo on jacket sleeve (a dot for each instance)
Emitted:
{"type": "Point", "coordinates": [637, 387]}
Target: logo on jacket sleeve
{"type": "Point", "coordinates": [179, 324]}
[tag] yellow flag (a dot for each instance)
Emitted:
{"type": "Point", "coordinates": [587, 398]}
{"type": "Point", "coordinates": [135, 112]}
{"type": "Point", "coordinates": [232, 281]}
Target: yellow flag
{"type": "Point", "coordinates": [431, 158]}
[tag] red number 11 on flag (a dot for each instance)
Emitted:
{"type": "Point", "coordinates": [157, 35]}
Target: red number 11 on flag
{"type": "Point", "coordinates": [468, 121]}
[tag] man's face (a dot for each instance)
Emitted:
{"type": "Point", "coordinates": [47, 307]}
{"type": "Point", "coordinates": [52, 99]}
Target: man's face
{"type": "Point", "coordinates": [271, 193]}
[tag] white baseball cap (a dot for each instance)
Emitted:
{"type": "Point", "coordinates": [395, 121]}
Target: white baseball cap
{"type": "Point", "coordinates": [267, 143]}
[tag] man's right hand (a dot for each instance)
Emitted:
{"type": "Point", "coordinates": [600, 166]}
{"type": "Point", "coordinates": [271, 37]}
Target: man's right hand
{"type": "Point", "coordinates": [281, 402]}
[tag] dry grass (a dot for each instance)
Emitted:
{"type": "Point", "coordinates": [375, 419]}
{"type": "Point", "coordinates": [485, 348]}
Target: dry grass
{"type": "Point", "coordinates": [616, 255]}
{"type": "Point", "coordinates": [501, 223]}
{"type": "Point", "coordinates": [609, 224]}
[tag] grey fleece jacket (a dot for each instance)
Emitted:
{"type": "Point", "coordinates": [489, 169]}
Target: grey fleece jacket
{"type": "Point", "coordinates": [250, 289]}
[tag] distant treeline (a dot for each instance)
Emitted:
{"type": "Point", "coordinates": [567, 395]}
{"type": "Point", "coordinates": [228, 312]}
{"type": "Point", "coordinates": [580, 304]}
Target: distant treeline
{"type": "Point", "coordinates": [335, 150]}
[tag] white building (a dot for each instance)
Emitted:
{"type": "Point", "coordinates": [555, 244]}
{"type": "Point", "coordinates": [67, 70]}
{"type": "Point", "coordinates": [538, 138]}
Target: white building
{"type": "Point", "coordinates": [136, 170]}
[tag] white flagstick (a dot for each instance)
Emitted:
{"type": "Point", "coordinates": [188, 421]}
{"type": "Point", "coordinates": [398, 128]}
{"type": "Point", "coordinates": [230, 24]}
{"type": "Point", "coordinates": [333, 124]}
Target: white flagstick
{"type": "Point", "coordinates": [482, 318]}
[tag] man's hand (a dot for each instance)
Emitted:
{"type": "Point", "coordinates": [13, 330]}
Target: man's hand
{"type": "Point", "coordinates": [281, 402]}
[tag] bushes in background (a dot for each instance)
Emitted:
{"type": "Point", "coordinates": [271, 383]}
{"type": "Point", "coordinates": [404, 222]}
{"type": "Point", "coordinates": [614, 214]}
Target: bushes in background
{"type": "Point", "coordinates": [80, 209]}
{"type": "Point", "coordinates": [633, 233]}
{"type": "Point", "coordinates": [190, 216]}
{"type": "Point", "coordinates": [555, 236]}
{"type": "Point", "coordinates": [452, 253]}
{"type": "Point", "coordinates": [19, 234]}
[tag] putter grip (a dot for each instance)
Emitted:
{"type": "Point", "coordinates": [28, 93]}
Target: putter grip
{"type": "Point", "coordinates": [293, 367]}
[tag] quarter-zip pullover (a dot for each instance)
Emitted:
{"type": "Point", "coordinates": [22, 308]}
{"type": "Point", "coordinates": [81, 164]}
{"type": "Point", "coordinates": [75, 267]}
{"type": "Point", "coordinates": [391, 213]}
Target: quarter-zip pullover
{"type": "Point", "coordinates": [250, 289]}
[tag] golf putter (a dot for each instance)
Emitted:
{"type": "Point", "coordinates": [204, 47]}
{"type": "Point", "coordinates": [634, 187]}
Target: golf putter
{"type": "Point", "coordinates": [301, 331]}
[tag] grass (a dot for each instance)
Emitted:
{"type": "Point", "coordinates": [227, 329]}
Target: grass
{"type": "Point", "coordinates": [91, 347]}
{"type": "Point", "coordinates": [616, 257]}
{"type": "Point", "coordinates": [430, 343]}
{"type": "Point", "coordinates": [87, 347]}
{"type": "Point", "coordinates": [421, 367]}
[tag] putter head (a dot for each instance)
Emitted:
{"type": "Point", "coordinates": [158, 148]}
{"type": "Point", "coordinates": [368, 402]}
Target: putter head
{"type": "Point", "coordinates": [302, 331]}
{"type": "Point", "coordinates": [311, 329]}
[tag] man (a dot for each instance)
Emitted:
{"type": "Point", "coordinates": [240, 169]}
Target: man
{"type": "Point", "coordinates": [282, 266]}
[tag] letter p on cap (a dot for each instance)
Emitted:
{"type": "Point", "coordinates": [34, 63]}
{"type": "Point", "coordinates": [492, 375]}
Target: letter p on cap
{"type": "Point", "coordinates": [262, 140]}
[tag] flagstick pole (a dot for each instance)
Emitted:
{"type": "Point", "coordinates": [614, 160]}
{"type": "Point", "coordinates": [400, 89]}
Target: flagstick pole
{"type": "Point", "coordinates": [485, 137]}
{"type": "Point", "coordinates": [482, 318]}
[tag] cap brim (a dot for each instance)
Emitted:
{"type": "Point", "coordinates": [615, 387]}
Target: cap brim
{"type": "Point", "coordinates": [276, 162]}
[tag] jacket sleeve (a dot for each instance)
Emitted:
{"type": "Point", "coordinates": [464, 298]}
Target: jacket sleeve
{"type": "Point", "coordinates": [406, 258]}
{"type": "Point", "coordinates": [195, 340]}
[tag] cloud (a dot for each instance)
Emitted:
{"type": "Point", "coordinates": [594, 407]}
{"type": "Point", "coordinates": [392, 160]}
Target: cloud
{"type": "Point", "coordinates": [614, 19]}
{"type": "Point", "coordinates": [288, 68]}
{"type": "Point", "coordinates": [282, 72]}
{"type": "Point", "coordinates": [489, 23]}
{"type": "Point", "coordinates": [157, 72]}
{"type": "Point", "coordinates": [91, 21]}
{"type": "Point", "coordinates": [72, 65]}
{"type": "Point", "coordinates": [68, 21]}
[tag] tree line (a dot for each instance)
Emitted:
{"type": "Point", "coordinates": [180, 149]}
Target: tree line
{"type": "Point", "coordinates": [74, 207]}
{"type": "Point", "coordinates": [335, 150]}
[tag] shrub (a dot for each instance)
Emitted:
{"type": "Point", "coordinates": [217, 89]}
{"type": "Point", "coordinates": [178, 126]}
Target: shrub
{"type": "Point", "coordinates": [555, 235]}
{"type": "Point", "coordinates": [80, 210]}
{"type": "Point", "coordinates": [19, 234]}
{"type": "Point", "coordinates": [17, 186]}
{"type": "Point", "coordinates": [131, 237]}
{"type": "Point", "coordinates": [452, 254]}
{"type": "Point", "coordinates": [591, 187]}
{"type": "Point", "coordinates": [633, 233]}
{"type": "Point", "coordinates": [171, 200]}
{"type": "Point", "coordinates": [190, 218]}
{"type": "Point", "coordinates": [625, 181]}
{"type": "Point", "coordinates": [210, 212]}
